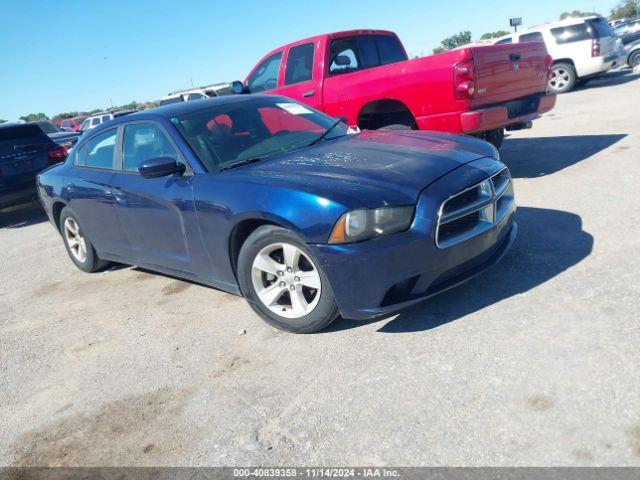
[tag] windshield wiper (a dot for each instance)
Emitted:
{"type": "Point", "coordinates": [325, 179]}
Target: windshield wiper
{"type": "Point", "coordinates": [326, 132]}
{"type": "Point", "coordinates": [242, 163]}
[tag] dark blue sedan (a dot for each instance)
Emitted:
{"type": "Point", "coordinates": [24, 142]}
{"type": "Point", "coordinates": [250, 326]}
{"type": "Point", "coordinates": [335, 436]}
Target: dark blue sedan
{"type": "Point", "coordinates": [266, 198]}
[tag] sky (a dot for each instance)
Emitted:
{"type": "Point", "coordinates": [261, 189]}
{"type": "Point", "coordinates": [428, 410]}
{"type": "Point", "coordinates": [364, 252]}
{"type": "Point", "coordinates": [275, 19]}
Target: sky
{"type": "Point", "coordinates": [66, 55]}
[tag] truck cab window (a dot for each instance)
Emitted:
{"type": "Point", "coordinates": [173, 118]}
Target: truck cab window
{"type": "Point", "coordinates": [389, 49]}
{"type": "Point", "coordinates": [265, 77]}
{"type": "Point", "coordinates": [343, 56]}
{"type": "Point", "coordinates": [299, 66]}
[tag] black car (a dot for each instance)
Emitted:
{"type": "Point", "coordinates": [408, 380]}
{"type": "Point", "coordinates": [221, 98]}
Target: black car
{"type": "Point", "coordinates": [629, 33]}
{"type": "Point", "coordinates": [62, 137]}
{"type": "Point", "coordinates": [25, 150]}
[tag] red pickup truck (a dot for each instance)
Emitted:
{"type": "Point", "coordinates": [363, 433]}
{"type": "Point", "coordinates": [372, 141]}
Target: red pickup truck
{"type": "Point", "coordinates": [366, 77]}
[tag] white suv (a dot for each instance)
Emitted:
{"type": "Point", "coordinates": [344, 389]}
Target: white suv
{"type": "Point", "coordinates": [99, 118]}
{"type": "Point", "coordinates": [581, 48]}
{"type": "Point", "coordinates": [199, 93]}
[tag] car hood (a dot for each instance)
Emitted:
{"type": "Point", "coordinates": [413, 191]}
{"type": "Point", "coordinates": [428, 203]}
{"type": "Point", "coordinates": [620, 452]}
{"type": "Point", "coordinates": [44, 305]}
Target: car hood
{"type": "Point", "coordinates": [394, 166]}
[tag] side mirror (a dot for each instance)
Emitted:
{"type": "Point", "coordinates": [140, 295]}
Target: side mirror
{"type": "Point", "coordinates": [160, 167]}
{"type": "Point", "coordinates": [238, 88]}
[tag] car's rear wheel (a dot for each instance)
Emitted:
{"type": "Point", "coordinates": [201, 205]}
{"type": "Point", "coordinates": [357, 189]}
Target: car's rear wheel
{"type": "Point", "coordinates": [634, 59]}
{"type": "Point", "coordinates": [79, 247]}
{"type": "Point", "coordinates": [284, 283]}
{"type": "Point", "coordinates": [563, 78]}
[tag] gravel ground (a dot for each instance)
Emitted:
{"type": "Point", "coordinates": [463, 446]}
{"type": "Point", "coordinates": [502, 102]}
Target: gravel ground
{"type": "Point", "coordinates": [535, 362]}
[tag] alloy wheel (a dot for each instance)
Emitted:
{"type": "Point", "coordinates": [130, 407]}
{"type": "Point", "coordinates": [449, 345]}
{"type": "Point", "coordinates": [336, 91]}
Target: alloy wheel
{"type": "Point", "coordinates": [560, 78]}
{"type": "Point", "coordinates": [286, 280]}
{"type": "Point", "coordinates": [75, 240]}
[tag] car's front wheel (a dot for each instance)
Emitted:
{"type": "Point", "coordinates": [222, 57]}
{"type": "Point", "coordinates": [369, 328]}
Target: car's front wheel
{"type": "Point", "coordinates": [634, 59]}
{"type": "Point", "coordinates": [284, 283]}
{"type": "Point", "coordinates": [79, 247]}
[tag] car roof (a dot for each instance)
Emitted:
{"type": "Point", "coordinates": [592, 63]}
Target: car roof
{"type": "Point", "coordinates": [175, 109]}
{"type": "Point", "coordinates": [561, 23]}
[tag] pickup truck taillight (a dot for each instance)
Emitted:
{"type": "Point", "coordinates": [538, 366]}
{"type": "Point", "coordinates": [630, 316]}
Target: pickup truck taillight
{"type": "Point", "coordinates": [464, 81]}
{"type": "Point", "coordinates": [58, 154]}
{"type": "Point", "coordinates": [549, 65]}
{"type": "Point", "coordinates": [595, 47]}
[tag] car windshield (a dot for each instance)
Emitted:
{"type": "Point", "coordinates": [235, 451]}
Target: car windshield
{"type": "Point", "coordinates": [235, 133]}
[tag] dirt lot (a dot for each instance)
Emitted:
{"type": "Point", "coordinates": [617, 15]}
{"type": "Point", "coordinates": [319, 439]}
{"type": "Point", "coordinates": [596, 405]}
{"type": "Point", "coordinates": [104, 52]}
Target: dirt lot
{"type": "Point", "coordinates": [536, 362]}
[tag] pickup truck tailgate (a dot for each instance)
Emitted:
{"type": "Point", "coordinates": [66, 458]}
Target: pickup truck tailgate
{"type": "Point", "coordinates": [508, 72]}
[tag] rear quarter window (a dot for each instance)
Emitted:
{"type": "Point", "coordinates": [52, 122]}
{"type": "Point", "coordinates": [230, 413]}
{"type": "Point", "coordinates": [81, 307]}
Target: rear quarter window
{"type": "Point", "coordinates": [571, 33]}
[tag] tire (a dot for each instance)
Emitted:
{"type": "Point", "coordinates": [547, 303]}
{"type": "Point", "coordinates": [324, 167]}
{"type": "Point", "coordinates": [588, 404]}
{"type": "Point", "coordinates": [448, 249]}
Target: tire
{"type": "Point", "coordinates": [266, 281]}
{"type": "Point", "coordinates": [79, 247]}
{"type": "Point", "coordinates": [564, 78]}
{"type": "Point", "coordinates": [634, 59]}
{"type": "Point", "coordinates": [495, 137]}
{"type": "Point", "coordinates": [396, 126]}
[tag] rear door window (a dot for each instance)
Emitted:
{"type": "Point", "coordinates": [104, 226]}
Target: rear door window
{"type": "Point", "coordinates": [344, 57]}
{"type": "Point", "coordinates": [299, 66]}
{"type": "Point", "coordinates": [364, 51]}
{"type": "Point", "coordinates": [571, 34]}
{"type": "Point", "coordinates": [265, 77]}
{"type": "Point", "coordinates": [531, 37]}
{"type": "Point", "coordinates": [504, 40]}
{"type": "Point", "coordinates": [98, 152]}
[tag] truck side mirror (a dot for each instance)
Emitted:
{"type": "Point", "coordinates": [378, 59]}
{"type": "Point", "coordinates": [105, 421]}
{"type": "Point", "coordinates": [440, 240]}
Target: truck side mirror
{"type": "Point", "coordinates": [238, 88]}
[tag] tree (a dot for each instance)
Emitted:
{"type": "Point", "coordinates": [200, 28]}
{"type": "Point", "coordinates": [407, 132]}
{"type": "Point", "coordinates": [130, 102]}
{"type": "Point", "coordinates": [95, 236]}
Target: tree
{"type": "Point", "coordinates": [34, 117]}
{"type": "Point", "coordinates": [578, 14]}
{"type": "Point", "coordinates": [68, 115]}
{"type": "Point", "coordinates": [453, 41]}
{"type": "Point", "coordinates": [625, 9]}
{"type": "Point", "coordinates": [499, 33]}
{"type": "Point", "coordinates": [3, 121]}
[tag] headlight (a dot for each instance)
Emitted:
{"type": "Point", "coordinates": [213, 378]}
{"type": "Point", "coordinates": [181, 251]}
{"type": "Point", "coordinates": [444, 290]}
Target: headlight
{"type": "Point", "coordinates": [364, 224]}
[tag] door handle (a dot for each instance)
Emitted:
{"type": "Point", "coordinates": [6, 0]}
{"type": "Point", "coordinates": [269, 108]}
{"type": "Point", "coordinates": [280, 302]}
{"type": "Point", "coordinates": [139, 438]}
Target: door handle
{"type": "Point", "coordinates": [310, 93]}
{"type": "Point", "coordinates": [514, 57]}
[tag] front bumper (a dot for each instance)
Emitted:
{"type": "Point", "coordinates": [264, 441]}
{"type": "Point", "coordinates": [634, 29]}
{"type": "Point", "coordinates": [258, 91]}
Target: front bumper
{"type": "Point", "coordinates": [384, 275]}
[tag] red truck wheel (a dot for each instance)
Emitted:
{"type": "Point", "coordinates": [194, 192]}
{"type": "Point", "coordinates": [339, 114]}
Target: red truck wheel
{"type": "Point", "coordinates": [495, 137]}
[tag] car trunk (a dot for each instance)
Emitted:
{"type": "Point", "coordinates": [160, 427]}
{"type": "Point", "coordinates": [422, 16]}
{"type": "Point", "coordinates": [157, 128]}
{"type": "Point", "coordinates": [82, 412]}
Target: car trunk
{"type": "Point", "coordinates": [507, 72]}
{"type": "Point", "coordinates": [24, 151]}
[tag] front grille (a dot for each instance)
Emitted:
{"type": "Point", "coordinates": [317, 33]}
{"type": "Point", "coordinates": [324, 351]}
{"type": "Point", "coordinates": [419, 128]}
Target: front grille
{"type": "Point", "coordinates": [475, 210]}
